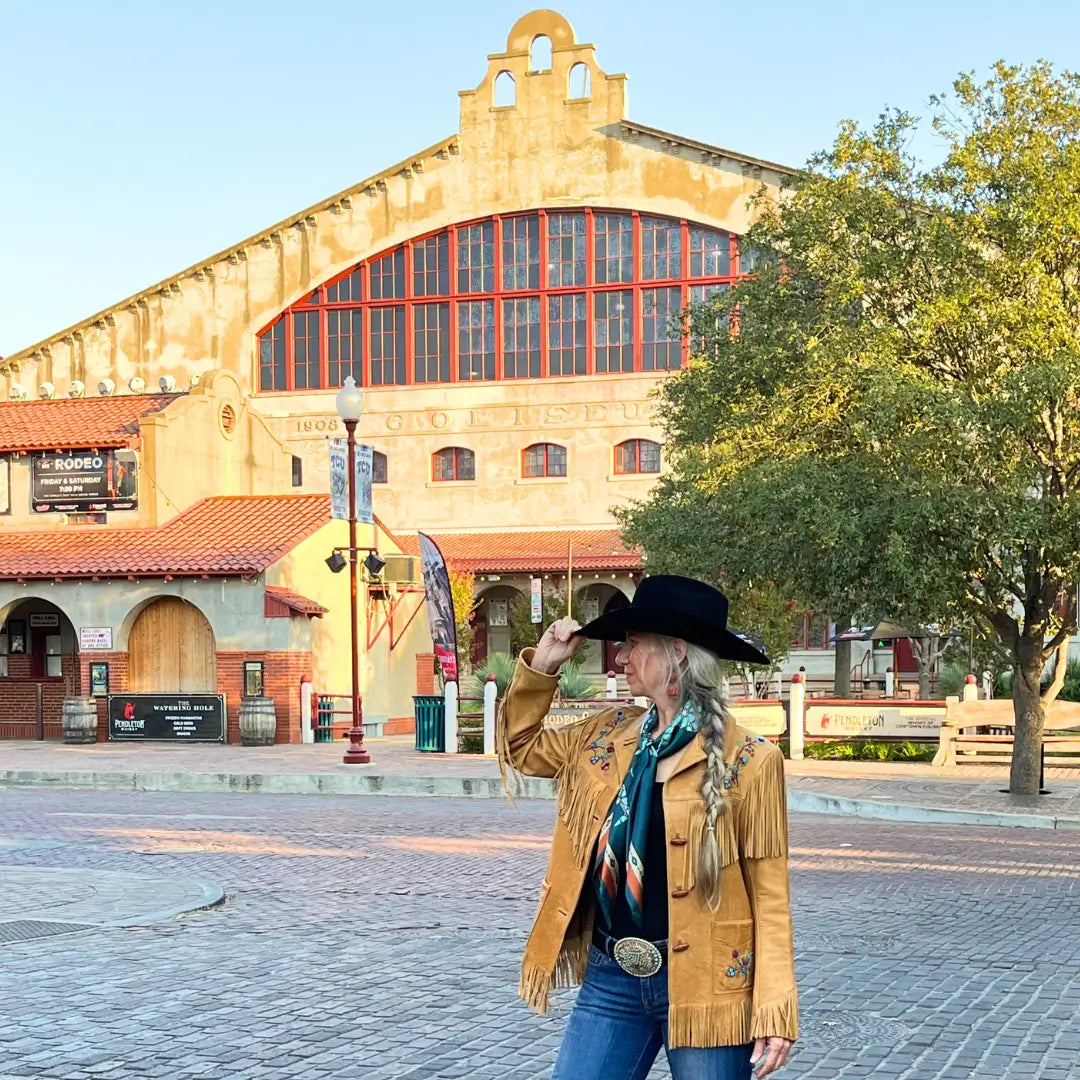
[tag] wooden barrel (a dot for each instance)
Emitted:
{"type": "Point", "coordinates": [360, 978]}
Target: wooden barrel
{"type": "Point", "coordinates": [258, 721]}
{"type": "Point", "coordinates": [79, 720]}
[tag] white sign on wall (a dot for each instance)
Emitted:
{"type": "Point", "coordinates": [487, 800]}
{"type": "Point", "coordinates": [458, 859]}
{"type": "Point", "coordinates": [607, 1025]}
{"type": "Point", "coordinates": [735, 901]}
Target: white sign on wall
{"type": "Point", "coordinates": [844, 720]}
{"type": "Point", "coordinates": [537, 586]}
{"type": "Point", "coordinates": [95, 637]}
{"type": "Point", "coordinates": [497, 613]}
{"type": "Point", "coordinates": [760, 717]}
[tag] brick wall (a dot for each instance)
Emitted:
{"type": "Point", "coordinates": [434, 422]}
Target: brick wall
{"type": "Point", "coordinates": [118, 682]}
{"type": "Point", "coordinates": [282, 672]}
{"type": "Point", "coordinates": [19, 699]}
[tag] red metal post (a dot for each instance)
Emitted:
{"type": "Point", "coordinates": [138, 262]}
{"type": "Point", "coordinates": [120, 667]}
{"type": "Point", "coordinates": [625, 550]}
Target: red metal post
{"type": "Point", "coordinates": [357, 753]}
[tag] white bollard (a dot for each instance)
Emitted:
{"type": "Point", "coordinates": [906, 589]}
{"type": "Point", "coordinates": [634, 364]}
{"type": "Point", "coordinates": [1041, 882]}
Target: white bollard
{"type": "Point", "coordinates": [797, 717]}
{"type": "Point", "coordinates": [890, 682]}
{"type": "Point", "coordinates": [971, 689]}
{"type": "Point", "coordinates": [988, 684]}
{"type": "Point", "coordinates": [612, 685]}
{"type": "Point", "coordinates": [491, 696]}
{"type": "Point", "coordinates": [450, 731]}
{"type": "Point", "coordinates": [307, 695]}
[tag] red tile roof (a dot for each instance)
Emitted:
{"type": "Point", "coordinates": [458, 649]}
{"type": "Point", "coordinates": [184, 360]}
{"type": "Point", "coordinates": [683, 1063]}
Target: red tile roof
{"type": "Point", "coordinates": [77, 423]}
{"type": "Point", "coordinates": [281, 602]}
{"type": "Point", "coordinates": [527, 552]}
{"type": "Point", "coordinates": [239, 534]}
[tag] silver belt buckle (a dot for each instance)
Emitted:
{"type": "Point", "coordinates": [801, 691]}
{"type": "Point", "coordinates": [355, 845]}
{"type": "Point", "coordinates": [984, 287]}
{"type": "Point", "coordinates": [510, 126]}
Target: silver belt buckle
{"type": "Point", "coordinates": [637, 957]}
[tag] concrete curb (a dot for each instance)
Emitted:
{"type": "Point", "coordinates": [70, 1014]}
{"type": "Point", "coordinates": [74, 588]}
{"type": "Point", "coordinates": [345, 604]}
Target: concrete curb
{"type": "Point", "coordinates": [209, 896]}
{"type": "Point", "coordinates": [358, 782]}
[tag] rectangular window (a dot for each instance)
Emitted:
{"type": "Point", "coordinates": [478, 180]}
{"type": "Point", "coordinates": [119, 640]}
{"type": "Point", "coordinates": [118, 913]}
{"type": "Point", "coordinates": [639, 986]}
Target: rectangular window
{"type": "Point", "coordinates": [661, 347]}
{"type": "Point", "coordinates": [253, 678]}
{"type": "Point", "coordinates": [345, 345]}
{"type": "Point", "coordinates": [811, 632]}
{"type": "Point", "coordinates": [476, 339]}
{"type": "Point", "coordinates": [306, 374]}
{"type": "Point", "coordinates": [476, 257]}
{"type": "Point", "coordinates": [272, 357]}
{"type": "Point", "coordinates": [710, 252]}
{"type": "Point", "coordinates": [702, 297]}
{"type": "Point", "coordinates": [566, 249]}
{"type": "Point", "coordinates": [388, 276]}
{"type": "Point", "coordinates": [566, 335]}
{"type": "Point", "coordinates": [387, 338]}
{"type": "Point", "coordinates": [614, 248]}
{"type": "Point", "coordinates": [661, 249]}
{"type": "Point", "coordinates": [613, 331]}
{"type": "Point", "coordinates": [297, 471]}
{"type": "Point", "coordinates": [350, 289]}
{"type": "Point", "coordinates": [545, 459]}
{"type": "Point", "coordinates": [431, 266]}
{"type": "Point", "coordinates": [431, 343]}
{"type": "Point", "coordinates": [521, 252]}
{"type": "Point", "coordinates": [648, 456]}
{"type": "Point", "coordinates": [521, 338]}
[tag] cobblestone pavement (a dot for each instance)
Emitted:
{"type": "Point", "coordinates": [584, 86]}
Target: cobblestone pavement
{"type": "Point", "coordinates": [379, 938]}
{"type": "Point", "coordinates": [170, 767]}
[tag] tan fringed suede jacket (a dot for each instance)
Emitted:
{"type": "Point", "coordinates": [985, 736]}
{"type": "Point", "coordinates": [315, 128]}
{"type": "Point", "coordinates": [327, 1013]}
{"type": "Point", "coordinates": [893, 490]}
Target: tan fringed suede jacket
{"type": "Point", "coordinates": [731, 974]}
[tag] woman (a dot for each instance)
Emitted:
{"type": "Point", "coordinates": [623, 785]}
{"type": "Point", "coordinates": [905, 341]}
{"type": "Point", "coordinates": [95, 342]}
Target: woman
{"type": "Point", "coordinates": [667, 888]}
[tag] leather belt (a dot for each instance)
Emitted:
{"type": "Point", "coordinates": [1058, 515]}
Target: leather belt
{"type": "Point", "coordinates": [635, 956]}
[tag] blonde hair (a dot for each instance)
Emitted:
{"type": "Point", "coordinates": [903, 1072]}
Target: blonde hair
{"type": "Point", "coordinates": [698, 681]}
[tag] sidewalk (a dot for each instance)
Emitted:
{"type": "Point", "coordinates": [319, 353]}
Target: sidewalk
{"type": "Point", "coordinates": [887, 790]}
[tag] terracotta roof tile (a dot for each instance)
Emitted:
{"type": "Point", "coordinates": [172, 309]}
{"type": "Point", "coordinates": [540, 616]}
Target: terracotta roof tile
{"type": "Point", "coordinates": [279, 598]}
{"type": "Point", "coordinates": [527, 552]}
{"type": "Point", "coordinates": [75, 423]}
{"type": "Point", "coordinates": [242, 534]}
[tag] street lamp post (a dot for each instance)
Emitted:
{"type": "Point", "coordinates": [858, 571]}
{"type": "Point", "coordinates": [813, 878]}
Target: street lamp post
{"type": "Point", "coordinates": [350, 407]}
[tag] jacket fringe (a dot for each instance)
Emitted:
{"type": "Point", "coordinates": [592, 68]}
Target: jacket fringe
{"type": "Point", "coordinates": [725, 834]}
{"type": "Point", "coordinates": [762, 818]}
{"type": "Point", "coordinates": [779, 1018]}
{"type": "Point", "coordinates": [579, 799]}
{"type": "Point", "coordinates": [537, 983]}
{"type": "Point", "coordinates": [723, 1024]}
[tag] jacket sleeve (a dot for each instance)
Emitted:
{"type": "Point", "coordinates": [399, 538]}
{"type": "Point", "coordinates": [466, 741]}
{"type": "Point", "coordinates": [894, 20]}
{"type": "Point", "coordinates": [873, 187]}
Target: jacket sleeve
{"type": "Point", "coordinates": [521, 741]}
{"type": "Point", "coordinates": [763, 847]}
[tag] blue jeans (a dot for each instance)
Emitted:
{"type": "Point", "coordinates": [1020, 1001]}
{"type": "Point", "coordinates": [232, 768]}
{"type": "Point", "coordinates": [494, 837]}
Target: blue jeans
{"type": "Point", "coordinates": [618, 1025]}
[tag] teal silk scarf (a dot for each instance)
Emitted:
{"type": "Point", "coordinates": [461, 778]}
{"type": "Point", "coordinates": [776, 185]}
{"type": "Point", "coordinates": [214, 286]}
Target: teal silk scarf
{"type": "Point", "coordinates": [620, 850]}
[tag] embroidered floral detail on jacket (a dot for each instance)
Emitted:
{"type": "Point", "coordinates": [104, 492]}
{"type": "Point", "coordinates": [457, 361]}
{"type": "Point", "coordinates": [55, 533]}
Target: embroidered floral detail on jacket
{"type": "Point", "coordinates": [746, 752]}
{"type": "Point", "coordinates": [601, 749]}
{"type": "Point", "coordinates": [740, 965]}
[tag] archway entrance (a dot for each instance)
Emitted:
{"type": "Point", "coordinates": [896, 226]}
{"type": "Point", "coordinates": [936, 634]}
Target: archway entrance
{"type": "Point", "coordinates": [38, 669]}
{"type": "Point", "coordinates": [171, 650]}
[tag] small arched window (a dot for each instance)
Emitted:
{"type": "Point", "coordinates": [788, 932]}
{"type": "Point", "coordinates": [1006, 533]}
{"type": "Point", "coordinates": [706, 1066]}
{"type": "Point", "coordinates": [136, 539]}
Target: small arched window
{"type": "Point", "coordinates": [540, 54]}
{"type": "Point", "coordinates": [453, 463]}
{"type": "Point", "coordinates": [543, 459]}
{"type": "Point", "coordinates": [378, 467]}
{"type": "Point", "coordinates": [637, 456]}
{"type": "Point", "coordinates": [580, 85]}
{"type": "Point", "coordinates": [505, 90]}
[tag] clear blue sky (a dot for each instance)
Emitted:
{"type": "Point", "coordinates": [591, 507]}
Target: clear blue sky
{"type": "Point", "coordinates": [137, 138]}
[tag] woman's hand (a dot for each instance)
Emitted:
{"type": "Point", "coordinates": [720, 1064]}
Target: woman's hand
{"type": "Point", "coordinates": [559, 643]}
{"type": "Point", "coordinates": [772, 1053]}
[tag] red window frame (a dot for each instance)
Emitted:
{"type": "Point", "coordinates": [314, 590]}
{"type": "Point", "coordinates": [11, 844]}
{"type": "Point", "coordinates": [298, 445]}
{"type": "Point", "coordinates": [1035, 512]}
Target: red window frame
{"type": "Point", "coordinates": [543, 460]}
{"type": "Point", "coordinates": [634, 447]}
{"type": "Point", "coordinates": [479, 275]}
{"type": "Point", "coordinates": [811, 632]}
{"type": "Point", "coordinates": [453, 463]}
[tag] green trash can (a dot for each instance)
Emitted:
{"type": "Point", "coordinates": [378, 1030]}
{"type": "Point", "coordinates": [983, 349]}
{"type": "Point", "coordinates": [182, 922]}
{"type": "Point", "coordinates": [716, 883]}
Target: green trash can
{"type": "Point", "coordinates": [430, 713]}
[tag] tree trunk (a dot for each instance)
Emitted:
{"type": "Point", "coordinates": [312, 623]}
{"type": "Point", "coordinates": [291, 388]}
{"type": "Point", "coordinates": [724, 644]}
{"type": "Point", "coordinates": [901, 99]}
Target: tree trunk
{"type": "Point", "coordinates": [842, 672]}
{"type": "Point", "coordinates": [1030, 716]}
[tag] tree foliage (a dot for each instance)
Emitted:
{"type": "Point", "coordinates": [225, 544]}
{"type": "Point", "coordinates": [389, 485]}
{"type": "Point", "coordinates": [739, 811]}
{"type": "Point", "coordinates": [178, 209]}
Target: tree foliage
{"type": "Point", "coordinates": [883, 419]}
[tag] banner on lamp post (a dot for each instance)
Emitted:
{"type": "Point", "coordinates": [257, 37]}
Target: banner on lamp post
{"type": "Point", "coordinates": [339, 481]}
{"type": "Point", "coordinates": [537, 600]}
{"type": "Point", "coordinates": [440, 606]}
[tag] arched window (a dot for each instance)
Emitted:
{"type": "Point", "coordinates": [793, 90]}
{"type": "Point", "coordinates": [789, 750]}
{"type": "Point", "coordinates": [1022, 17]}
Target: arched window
{"type": "Point", "coordinates": [378, 467]}
{"type": "Point", "coordinates": [540, 54]}
{"type": "Point", "coordinates": [453, 463]}
{"type": "Point", "coordinates": [580, 82]}
{"type": "Point", "coordinates": [637, 456]}
{"type": "Point", "coordinates": [543, 459]}
{"type": "Point", "coordinates": [505, 90]}
{"type": "Point", "coordinates": [541, 293]}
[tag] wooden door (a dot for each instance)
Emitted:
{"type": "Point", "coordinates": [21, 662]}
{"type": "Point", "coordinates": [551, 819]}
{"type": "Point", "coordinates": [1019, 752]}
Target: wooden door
{"type": "Point", "coordinates": [171, 650]}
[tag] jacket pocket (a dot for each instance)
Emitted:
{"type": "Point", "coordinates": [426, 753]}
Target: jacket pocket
{"type": "Point", "coordinates": [733, 955]}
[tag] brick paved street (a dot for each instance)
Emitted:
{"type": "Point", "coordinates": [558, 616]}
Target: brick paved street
{"type": "Point", "coordinates": [379, 938]}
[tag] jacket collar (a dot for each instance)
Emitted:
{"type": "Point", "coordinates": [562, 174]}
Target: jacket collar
{"type": "Point", "coordinates": [694, 754]}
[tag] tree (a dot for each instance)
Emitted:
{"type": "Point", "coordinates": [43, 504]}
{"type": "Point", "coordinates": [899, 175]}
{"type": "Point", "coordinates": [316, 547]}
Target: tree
{"type": "Point", "coordinates": [463, 595]}
{"type": "Point", "coordinates": [884, 417]}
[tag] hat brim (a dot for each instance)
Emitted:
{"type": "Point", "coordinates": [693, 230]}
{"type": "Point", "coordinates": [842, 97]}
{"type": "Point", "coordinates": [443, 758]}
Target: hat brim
{"type": "Point", "coordinates": [615, 625]}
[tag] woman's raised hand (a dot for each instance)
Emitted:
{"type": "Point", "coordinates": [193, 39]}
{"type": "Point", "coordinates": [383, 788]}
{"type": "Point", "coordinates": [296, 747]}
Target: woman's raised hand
{"type": "Point", "coordinates": [559, 643]}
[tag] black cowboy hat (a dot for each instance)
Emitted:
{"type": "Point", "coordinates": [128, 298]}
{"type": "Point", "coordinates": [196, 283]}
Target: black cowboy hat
{"type": "Point", "coordinates": [677, 607]}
